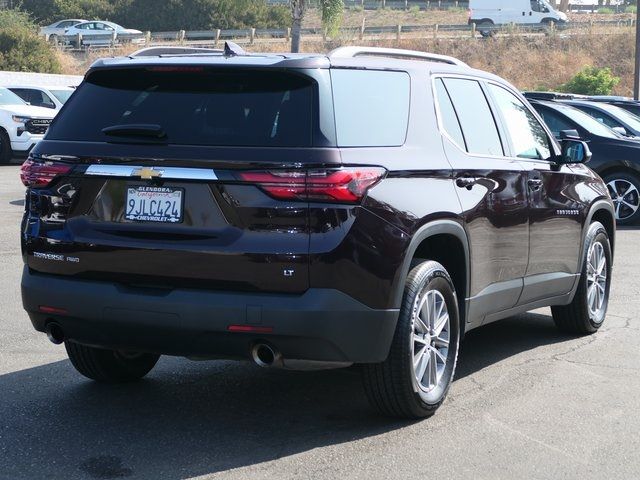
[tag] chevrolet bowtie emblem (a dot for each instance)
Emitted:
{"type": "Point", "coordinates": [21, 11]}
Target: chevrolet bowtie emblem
{"type": "Point", "coordinates": [147, 173]}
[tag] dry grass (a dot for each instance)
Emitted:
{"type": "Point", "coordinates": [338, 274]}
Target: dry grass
{"type": "Point", "coordinates": [539, 62]}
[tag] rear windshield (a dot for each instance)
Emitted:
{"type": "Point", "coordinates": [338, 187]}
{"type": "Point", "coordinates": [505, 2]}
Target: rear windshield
{"type": "Point", "coordinates": [193, 106]}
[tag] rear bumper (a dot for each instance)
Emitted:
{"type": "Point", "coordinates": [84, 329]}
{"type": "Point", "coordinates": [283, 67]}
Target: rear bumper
{"type": "Point", "coordinates": [321, 324]}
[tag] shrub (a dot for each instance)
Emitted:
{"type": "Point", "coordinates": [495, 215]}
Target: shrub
{"type": "Point", "coordinates": [592, 81]}
{"type": "Point", "coordinates": [21, 49]}
{"type": "Point", "coordinates": [414, 10]}
{"type": "Point", "coordinates": [631, 9]}
{"type": "Point", "coordinates": [606, 10]}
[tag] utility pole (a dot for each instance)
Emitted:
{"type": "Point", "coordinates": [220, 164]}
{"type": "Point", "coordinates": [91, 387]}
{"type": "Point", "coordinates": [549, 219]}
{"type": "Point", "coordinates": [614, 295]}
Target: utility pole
{"type": "Point", "coordinates": [636, 81]}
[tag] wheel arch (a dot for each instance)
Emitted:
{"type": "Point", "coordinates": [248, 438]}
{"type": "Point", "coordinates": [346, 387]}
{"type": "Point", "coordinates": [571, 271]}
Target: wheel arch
{"type": "Point", "coordinates": [600, 211]}
{"type": "Point", "coordinates": [444, 241]}
{"type": "Point", "coordinates": [621, 168]}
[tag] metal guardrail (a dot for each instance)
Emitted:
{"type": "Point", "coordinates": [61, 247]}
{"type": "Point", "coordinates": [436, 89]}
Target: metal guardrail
{"type": "Point", "coordinates": [250, 35]}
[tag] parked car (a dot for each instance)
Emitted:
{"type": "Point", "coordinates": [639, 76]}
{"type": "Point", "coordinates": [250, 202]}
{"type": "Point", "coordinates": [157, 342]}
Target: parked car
{"type": "Point", "coordinates": [630, 105]}
{"type": "Point", "coordinates": [21, 125]}
{"type": "Point", "coordinates": [488, 14]}
{"type": "Point", "coordinates": [613, 117]}
{"type": "Point", "coordinates": [56, 30]}
{"type": "Point", "coordinates": [368, 206]}
{"type": "Point", "coordinates": [101, 33]}
{"type": "Point", "coordinates": [615, 158]}
{"type": "Point", "coordinates": [47, 97]}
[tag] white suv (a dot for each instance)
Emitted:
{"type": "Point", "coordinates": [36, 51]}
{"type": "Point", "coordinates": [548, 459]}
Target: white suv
{"type": "Point", "coordinates": [21, 125]}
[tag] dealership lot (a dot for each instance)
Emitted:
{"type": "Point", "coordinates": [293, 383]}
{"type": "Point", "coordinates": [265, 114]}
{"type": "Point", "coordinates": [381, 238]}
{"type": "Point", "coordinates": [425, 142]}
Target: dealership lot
{"type": "Point", "coordinates": [528, 401]}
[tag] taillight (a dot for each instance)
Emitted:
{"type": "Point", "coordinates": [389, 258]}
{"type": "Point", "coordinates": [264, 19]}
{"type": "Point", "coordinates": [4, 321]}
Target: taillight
{"type": "Point", "coordinates": [348, 185]}
{"type": "Point", "coordinates": [39, 174]}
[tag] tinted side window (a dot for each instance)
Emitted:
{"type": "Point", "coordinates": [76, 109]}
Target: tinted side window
{"type": "Point", "coordinates": [554, 121]}
{"type": "Point", "coordinates": [477, 122]}
{"type": "Point", "coordinates": [601, 117]}
{"type": "Point", "coordinates": [371, 107]}
{"type": "Point", "coordinates": [448, 115]}
{"type": "Point", "coordinates": [528, 138]}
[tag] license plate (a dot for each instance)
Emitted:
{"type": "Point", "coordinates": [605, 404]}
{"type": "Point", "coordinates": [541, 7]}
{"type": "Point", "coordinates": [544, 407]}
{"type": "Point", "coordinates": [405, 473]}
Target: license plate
{"type": "Point", "coordinates": [154, 204]}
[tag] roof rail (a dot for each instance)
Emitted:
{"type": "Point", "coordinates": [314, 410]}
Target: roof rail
{"type": "Point", "coordinates": [351, 52]}
{"type": "Point", "coordinates": [158, 51]}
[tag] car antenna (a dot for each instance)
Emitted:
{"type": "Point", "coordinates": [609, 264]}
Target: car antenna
{"type": "Point", "coordinates": [232, 49]}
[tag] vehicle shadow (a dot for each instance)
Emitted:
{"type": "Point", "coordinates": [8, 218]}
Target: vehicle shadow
{"type": "Point", "coordinates": [194, 418]}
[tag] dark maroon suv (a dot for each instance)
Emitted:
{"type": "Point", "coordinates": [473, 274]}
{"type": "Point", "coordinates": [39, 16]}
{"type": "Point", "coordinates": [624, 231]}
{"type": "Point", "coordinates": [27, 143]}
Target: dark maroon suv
{"type": "Point", "coordinates": [306, 211]}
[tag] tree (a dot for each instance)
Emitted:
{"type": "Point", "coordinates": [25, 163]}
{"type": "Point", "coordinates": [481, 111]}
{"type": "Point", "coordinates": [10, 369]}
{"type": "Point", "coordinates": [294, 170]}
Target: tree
{"type": "Point", "coordinates": [332, 11]}
{"type": "Point", "coordinates": [21, 49]}
{"type": "Point", "coordinates": [592, 81]}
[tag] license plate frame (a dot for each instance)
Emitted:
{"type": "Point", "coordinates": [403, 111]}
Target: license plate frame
{"type": "Point", "coordinates": [149, 212]}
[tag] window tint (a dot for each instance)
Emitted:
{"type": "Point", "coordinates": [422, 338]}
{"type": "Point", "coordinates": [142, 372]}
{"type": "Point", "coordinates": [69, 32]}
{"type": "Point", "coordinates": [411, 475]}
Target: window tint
{"type": "Point", "coordinates": [36, 98]}
{"type": "Point", "coordinates": [528, 138]}
{"type": "Point", "coordinates": [448, 115]}
{"type": "Point", "coordinates": [371, 107]}
{"type": "Point", "coordinates": [600, 116]}
{"type": "Point", "coordinates": [477, 122]}
{"type": "Point", "coordinates": [203, 107]}
{"type": "Point", "coordinates": [554, 121]}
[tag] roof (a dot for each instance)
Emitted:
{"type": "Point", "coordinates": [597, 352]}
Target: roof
{"type": "Point", "coordinates": [233, 55]}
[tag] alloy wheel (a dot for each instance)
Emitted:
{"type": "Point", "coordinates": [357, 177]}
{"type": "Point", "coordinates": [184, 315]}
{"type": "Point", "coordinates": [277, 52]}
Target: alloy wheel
{"type": "Point", "coordinates": [430, 340]}
{"type": "Point", "coordinates": [625, 196]}
{"type": "Point", "coordinates": [596, 280]}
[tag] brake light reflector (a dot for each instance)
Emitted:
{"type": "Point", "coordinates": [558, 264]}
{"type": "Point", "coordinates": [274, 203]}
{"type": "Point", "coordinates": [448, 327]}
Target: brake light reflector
{"type": "Point", "coordinates": [249, 329]}
{"type": "Point", "coordinates": [347, 185]}
{"type": "Point", "coordinates": [52, 310]}
{"type": "Point", "coordinates": [40, 174]}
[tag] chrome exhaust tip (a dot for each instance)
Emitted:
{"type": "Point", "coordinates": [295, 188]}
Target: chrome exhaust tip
{"type": "Point", "coordinates": [266, 356]}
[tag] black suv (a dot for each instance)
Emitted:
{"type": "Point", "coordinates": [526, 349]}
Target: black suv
{"type": "Point", "coordinates": [366, 207]}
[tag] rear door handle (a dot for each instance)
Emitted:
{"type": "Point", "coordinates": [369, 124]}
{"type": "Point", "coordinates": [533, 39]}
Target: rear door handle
{"type": "Point", "coordinates": [535, 184]}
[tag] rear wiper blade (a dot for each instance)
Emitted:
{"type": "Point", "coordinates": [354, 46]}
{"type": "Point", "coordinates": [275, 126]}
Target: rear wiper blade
{"type": "Point", "coordinates": [147, 130]}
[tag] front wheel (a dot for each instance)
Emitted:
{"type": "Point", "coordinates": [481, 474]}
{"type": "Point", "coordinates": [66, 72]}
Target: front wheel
{"type": "Point", "coordinates": [586, 312]}
{"type": "Point", "coordinates": [624, 189]}
{"type": "Point", "coordinates": [414, 379]}
{"type": "Point", "coordinates": [109, 366]}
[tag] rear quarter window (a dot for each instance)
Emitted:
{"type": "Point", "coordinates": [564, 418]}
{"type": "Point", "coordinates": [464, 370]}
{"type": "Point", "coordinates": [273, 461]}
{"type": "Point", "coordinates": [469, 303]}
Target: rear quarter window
{"type": "Point", "coordinates": [371, 107]}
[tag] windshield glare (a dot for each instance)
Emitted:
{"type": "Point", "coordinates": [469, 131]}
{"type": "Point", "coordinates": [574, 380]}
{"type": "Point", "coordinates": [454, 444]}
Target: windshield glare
{"type": "Point", "coordinates": [587, 122]}
{"type": "Point", "coordinates": [7, 97]}
{"type": "Point", "coordinates": [623, 115]}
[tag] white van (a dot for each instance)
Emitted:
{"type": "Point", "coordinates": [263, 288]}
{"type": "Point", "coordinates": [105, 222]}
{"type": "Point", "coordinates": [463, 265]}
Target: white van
{"type": "Point", "coordinates": [487, 14]}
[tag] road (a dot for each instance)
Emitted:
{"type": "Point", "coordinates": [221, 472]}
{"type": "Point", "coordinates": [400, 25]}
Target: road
{"type": "Point", "coordinates": [527, 402]}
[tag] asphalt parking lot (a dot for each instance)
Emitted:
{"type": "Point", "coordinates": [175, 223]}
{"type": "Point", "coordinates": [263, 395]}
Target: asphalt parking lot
{"type": "Point", "coordinates": [528, 402]}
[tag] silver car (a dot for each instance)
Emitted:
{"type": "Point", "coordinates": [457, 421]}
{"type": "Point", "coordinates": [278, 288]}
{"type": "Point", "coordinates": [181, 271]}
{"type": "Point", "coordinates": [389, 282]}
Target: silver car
{"type": "Point", "coordinates": [56, 30]}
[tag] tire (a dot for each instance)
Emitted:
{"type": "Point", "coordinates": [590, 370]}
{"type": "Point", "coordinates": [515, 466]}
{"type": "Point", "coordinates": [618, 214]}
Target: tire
{"type": "Point", "coordinates": [624, 189]}
{"type": "Point", "coordinates": [109, 366]}
{"type": "Point", "coordinates": [5, 148]}
{"type": "Point", "coordinates": [487, 31]}
{"type": "Point", "coordinates": [586, 312]}
{"type": "Point", "coordinates": [392, 386]}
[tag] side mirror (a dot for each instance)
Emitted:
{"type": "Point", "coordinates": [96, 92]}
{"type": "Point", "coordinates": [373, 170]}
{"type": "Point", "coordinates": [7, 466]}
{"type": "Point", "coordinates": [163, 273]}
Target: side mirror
{"type": "Point", "coordinates": [620, 130]}
{"type": "Point", "coordinates": [574, 151]}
